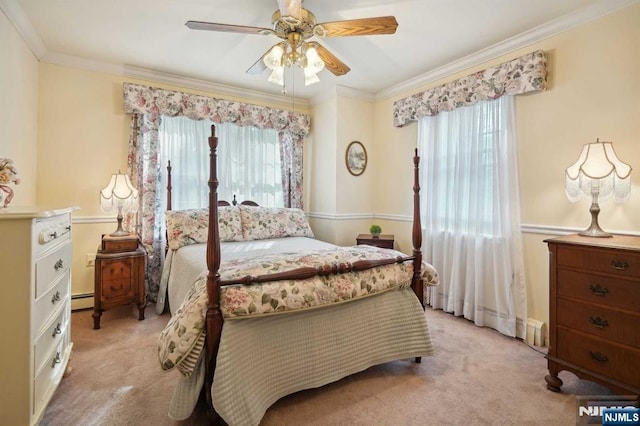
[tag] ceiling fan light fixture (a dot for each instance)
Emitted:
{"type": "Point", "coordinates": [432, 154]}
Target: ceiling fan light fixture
{"type": "Point", "coordinates": [273, 59]}
{"type": "Point", "coordinates": [310, 77]}
{"type": "Point", "coordinates": [277, 76]}
{"type": "Point", "coordinates": [313, 60]}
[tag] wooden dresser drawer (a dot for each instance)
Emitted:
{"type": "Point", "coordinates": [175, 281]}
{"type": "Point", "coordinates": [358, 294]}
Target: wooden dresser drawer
{"type": "Point", "coordinates": [51, 335]}
{"type": "Point", "coordinates": [49, 376]}
{"type": "Point", "coordinates": [50, 232]}
{"type": "Point", "coordinates": [51, 267]}
{"type": "Point", "coordinates": [598, 289]}
{"type": "Point", "coordinates": [51, 302]}
{"type": "Point", "coordinates": [598, 355]}
{"type": "Point", "coordinates": [606, 323]}
{"type": "Point", "coordinates": [617, 262]}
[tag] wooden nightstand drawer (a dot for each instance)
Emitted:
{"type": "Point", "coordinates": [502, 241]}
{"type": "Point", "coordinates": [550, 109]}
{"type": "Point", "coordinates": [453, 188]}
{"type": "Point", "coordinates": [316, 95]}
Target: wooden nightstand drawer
{"type": "Point", "coordinates": [606, 323]}
{"type": "Point", "coordinates": [123, 244]}
{"type": "Point", "coordinates": [383, 241]}
{"type": "Point", "coordinates": [116, 280]}
{"type": "Point", "coordinates": [621, 263]}
{"type": "Point", "coordinates": [601, 356]}
{"type": "Point", "coordinates": [599, 289]}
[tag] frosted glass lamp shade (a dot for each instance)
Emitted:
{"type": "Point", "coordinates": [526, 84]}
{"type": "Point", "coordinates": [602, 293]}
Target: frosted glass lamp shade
{"type": "Point", "coordinates": [119, 195]}
{"type": "Point", "coordinates": [600, 174]}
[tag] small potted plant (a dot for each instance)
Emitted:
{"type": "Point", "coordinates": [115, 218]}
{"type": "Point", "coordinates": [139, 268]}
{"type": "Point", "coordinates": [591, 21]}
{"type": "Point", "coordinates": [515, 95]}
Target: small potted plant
{"type": "Point", "coordinates": [375, 230]}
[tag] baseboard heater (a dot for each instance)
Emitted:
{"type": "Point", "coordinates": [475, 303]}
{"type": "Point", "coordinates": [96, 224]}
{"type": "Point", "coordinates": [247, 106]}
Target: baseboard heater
{"type": "Point", "coordinates": [81, 302]}
{"type": "Point", "coordinates": [82, 296]}
{"type": "Point", "coordinates": [535, 333]}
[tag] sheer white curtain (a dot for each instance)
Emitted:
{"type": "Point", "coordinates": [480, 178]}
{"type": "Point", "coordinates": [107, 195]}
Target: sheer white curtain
{"type": "Point", "coordinates": [471, 214]}
{"type": "Point", "coordinates": [248, 162]}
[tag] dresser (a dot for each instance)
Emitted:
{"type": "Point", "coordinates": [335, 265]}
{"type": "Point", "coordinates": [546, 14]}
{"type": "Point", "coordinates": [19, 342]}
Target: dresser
{"type": "Point", "coordinates": [382, 241]}
{"type": "Point", "coordinates": [594, 311]}
{"type": "Point", "coordinates": [35, 310]}
{"type": "Point", "coordinates": [119, 275]}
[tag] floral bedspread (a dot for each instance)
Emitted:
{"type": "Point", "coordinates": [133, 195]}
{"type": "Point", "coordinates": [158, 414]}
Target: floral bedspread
{"type": "Point", "coordinates": [186, 328]}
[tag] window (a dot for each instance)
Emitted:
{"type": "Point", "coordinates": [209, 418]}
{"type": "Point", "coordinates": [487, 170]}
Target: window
{"type": "Point", "coordinates": [248, 162]}
{"type": "Point", "coordinates": [471, 214]}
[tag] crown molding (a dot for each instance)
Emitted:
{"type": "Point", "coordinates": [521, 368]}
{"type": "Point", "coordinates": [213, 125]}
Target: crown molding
{"type": "Point", "coordinates": [82, 63]}
{"type": "Point", "coordinates": [23, 26]}
{"type": "Point", "coordinates": [539, 33]}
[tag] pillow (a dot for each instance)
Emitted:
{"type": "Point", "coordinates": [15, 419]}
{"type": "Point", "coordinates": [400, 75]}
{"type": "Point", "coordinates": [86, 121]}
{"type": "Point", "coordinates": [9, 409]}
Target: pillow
{"type": "Point", "coordinates": [181, 343]}
{"type": "Point", "coordinates": [186, 227]}
{"type": "Point", "coordinates": [259, 223]}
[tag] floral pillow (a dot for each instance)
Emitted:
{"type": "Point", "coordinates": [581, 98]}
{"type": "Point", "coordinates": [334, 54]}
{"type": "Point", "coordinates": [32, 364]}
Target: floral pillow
{"type": "Point", "coordinates": [186, 227]}
{"type": "Point", "coordinates": [181, 343]}
{"type": "Point", "coordinates": [259, 223]}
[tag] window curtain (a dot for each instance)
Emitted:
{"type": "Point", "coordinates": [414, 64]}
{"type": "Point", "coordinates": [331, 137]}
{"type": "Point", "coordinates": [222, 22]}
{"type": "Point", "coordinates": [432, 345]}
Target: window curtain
{"type": "Point", "coordinates": [147, 105]}
{"type": "Point", "coordinates": [471, 215]}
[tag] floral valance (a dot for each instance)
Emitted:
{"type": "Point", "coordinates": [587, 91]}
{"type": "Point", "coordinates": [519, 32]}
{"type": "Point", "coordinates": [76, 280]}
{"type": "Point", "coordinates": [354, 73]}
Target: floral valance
{"type": "Point", "coordinates": [524, 74]}
{"type": "Point", "coordinates": [152, 100]}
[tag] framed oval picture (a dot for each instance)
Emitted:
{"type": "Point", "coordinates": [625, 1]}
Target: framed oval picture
{"type": "Point", "coordinates": [356, 158]}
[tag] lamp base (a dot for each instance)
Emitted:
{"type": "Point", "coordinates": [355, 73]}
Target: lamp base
{"type": "Point", "coordinates": [598, 233]}
{"type": "Point", "coordinates": [120, 232]}
{"type": "Point", "coordinates": [594, 229]}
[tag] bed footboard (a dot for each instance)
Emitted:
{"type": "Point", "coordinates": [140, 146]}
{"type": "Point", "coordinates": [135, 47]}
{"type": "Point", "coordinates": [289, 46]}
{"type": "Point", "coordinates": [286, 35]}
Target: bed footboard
{"type": "Point", "coordinates": [214, 318]}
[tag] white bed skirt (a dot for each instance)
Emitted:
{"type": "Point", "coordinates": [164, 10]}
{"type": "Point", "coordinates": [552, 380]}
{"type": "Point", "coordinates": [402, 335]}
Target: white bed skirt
{"type": "Point", "coordinates": [260, 360]}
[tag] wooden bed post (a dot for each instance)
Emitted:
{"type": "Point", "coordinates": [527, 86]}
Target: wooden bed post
{"type": "Point", "coordinates": [169, 187]}
{"type": "Point", "coordinates": [417, 283]}
{"type": "Point", "coordinates": [214, 315]}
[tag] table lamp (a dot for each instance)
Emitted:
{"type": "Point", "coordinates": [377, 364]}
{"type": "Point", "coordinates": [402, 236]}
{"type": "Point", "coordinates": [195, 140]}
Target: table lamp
{"type": "Point", "coordinates": [600, 174]}
{"type": "Point", "coordinates": [121, 195]}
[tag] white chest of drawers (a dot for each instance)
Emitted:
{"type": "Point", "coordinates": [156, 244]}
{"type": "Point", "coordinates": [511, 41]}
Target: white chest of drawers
{"type": "Point", "coordinates": [35, 310]}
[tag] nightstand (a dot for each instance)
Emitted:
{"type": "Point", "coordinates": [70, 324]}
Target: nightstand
{"type": "Point", "coordinates": [383, 241]}
{"type": "Point", "coordinates": [119, 275]}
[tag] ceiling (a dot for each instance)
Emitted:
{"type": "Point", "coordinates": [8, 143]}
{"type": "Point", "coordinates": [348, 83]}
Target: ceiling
{"type": "Point", "coordinates": [151, 35]}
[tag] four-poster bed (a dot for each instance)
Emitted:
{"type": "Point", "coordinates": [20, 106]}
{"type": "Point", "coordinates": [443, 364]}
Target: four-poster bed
{"type": "Point", "coordinates": [274, 347]}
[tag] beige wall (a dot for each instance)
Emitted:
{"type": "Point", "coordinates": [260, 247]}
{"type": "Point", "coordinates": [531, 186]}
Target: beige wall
{"type": "Point", "coordinates": [69, 122]}
{"type": "Point", "coordinates": [18, 110]}
{"type": "Point", "coordinates": [594, 93]}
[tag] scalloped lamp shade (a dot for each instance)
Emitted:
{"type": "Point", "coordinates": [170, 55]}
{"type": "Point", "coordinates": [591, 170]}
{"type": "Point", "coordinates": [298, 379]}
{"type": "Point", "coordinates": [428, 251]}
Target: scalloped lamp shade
{"type": "Point", "coordinates": [119, 195]}
{"type": "Point", "coordinates": [598, 173]}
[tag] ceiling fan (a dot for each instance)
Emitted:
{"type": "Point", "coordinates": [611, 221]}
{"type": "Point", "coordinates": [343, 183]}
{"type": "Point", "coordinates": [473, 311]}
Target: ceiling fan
{"type": "Point", "coordinates": [295, 25]}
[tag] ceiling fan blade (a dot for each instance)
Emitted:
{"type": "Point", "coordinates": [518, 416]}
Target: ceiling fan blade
{"type": "Point", "coordinates": [259, 66]}
{"type": "Point", "coordinates": [331, 62]}
{"type": "Point", "coordinates": [291, 8]}
{"type": "Point", "coordinates": [357, 27]}
{"type": "Point", "coordinates": [212, 26]}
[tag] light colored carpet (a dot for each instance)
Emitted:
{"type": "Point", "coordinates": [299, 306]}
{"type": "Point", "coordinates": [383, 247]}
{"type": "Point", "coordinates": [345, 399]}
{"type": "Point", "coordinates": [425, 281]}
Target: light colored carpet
{"type": "Point", "coordinates": [477, 377]}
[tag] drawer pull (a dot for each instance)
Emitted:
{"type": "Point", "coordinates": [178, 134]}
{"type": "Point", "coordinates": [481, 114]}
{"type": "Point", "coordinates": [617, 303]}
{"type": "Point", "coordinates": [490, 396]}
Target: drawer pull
{"type": "Point", "coordinates": [598, 357]}
{"type": "Point", "coordinates": [59, 265]}
{"type": "Point", "coordinates": [598, 322]}
{"type": "Point", "coordinates": [55, 298]}
{"type": "Point", "coordinates": [620, 265]}
{"type": "Point", "coordinates": [56, 331]}
{"type": "Point", "coordinates": [598, 290]}
{"type": "Point", "coordinates": [53, 235]}
{"type": "Point", "coordinates": [56, 360]}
